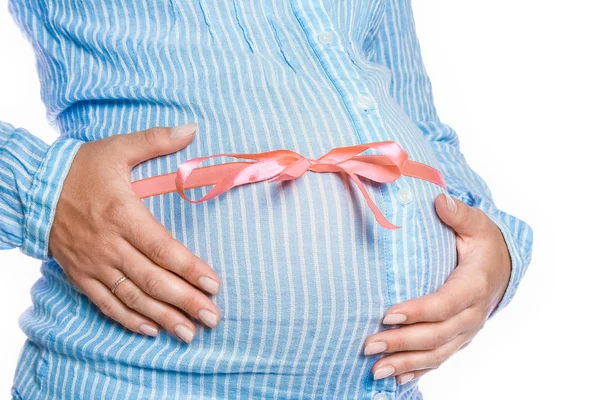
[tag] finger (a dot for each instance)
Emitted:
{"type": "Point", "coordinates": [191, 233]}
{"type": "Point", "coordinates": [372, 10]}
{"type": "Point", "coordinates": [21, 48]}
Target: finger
{"type": "Point", "coordinates": [465, 220]}
{"type": "Point", "coordinates": [113, 308]}
{"type": "Point", "coordinates": [163, 285]}
{"type": "Point", "coordinates": [448, 300]}
{"type": "Point", "coordinates": [140, 146]}
{"type": "Point", "coordinates": [421, 336]}
{"type": "Point", "coordinates": [151, 238]}
{"type": "Point", "coordinates": [133, 297]}
{"type": "Point", "coordinates": [410, 376]}
{"type": "Point", "coordinates": [403, 362]}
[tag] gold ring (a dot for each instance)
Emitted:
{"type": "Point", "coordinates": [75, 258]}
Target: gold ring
{"type": "Point", "coordinates": [114, 286]}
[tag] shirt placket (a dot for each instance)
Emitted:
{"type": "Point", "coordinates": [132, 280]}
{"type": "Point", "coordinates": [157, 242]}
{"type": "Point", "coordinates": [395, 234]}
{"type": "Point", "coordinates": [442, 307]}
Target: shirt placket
{"type": "Point", "coordinates": [329, 49]}
{"type": "Point", "coordinates": [360, 103]}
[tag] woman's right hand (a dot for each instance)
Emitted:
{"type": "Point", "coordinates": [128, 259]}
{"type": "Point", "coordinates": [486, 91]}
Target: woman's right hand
{"type": "Point", "coordinates": [102, 231]}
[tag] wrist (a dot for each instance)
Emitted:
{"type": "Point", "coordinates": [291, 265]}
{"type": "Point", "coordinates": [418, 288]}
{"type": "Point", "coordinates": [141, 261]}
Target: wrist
{"type": "Point", "coordinates": [43, 194]}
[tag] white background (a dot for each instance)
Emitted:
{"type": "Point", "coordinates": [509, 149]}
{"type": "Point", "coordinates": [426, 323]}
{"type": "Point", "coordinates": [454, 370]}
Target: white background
{"type": "Point", "coordinates": [518, 80]}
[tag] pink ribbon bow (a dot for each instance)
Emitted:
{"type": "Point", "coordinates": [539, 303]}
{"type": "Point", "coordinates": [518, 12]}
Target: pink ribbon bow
{"type": "Point", "coordinates": [283, 165]}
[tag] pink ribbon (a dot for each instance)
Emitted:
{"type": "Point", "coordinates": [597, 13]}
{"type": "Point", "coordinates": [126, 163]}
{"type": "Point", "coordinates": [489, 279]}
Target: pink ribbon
{"type": "Point", "coordinates": [284, 165]}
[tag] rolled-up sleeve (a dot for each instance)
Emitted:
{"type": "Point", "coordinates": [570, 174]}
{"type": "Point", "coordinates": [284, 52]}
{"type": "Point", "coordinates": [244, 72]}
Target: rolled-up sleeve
{"type": "Point", "coordinates": [31, 178]}
{"type": "Point", "coordinates": [396, 46]}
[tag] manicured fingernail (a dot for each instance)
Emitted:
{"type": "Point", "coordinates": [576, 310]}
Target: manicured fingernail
{"type": "Point", "coordinates": [183, 130]}
{"type": "Point", "coordinates": [393, 319]}
{"type": "Point", "coordinates": [451, 204]}
{"type": "Point", "coordinates": [209, 285]}
{"type": "Point", "coordinates": [374, 348]}
{"type": "Point", "coordinates": [208, 317]}
{"type": "Point", "coordinates": [406, 378]}
{"type": "Point", "coordinates": [383, 372]}
{"type": "Point", "coordinates": [184, 333]}
{"type": "Point", "coordinates": [148, 330]}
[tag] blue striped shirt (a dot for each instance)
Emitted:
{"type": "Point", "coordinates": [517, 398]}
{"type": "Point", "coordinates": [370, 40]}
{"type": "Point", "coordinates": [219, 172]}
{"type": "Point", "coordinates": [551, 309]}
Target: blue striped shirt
{"type": "Point", "coordinates": [306, 271]}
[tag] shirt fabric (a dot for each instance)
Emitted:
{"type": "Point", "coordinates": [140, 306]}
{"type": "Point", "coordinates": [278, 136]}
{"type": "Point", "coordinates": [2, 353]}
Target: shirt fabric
{"type": "Point", "coordinates": [306, 271]}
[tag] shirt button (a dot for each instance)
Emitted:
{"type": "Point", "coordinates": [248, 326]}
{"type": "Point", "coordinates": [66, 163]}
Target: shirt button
{"type": "Point", "coordinates": [405, 195]}
{"type": "Point", "coordinates": [325, 37]}
{"type": "Point", "coordinates": [381, 396]}
{"type": "Point", "coordinates": [364, 102]}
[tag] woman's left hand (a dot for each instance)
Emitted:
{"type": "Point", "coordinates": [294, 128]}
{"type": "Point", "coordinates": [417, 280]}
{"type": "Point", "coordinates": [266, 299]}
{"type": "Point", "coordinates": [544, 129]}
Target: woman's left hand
{"type": "Point", "coordinates": [437, 325]}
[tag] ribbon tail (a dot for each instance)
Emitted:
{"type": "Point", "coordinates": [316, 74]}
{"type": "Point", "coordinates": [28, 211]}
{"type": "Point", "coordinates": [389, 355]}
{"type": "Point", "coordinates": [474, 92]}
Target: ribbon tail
{"type": "Point", "coordinates": [378, 214]}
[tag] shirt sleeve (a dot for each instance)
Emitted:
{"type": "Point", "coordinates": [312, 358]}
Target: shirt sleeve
{"type": "Point", "coordinates": [396, 46]}
{"type": "Point", "coordinates": [31, 177]}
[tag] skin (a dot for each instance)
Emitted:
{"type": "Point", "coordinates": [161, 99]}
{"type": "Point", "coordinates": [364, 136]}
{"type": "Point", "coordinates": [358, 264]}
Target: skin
{"type": "Point", "coordinates": [426, 331]}
{"type": "Point", "coordinates": [102, 231]}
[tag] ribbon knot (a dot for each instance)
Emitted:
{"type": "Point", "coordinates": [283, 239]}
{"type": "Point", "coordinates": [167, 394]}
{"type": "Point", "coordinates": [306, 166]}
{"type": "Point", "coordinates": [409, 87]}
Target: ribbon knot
{"type": "Point", "coordinates": [283, 165]}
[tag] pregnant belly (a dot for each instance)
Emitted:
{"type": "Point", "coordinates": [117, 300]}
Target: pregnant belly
{"type": "Point", "coordinates": [307, 275]}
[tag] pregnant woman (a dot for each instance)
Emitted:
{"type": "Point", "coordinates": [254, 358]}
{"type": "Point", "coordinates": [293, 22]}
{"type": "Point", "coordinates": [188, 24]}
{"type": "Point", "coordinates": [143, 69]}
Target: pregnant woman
{"type": "Point", "coordinates": [295, 288]}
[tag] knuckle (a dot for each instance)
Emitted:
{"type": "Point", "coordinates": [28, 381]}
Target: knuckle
{"type": "Point", "coordinates": [419, 312]}
{"type": "Point", "coordinates": [439, 308]}
{"type": "Point", "coordinates": [484, 222]}
{"type": "Point", "coordinates": [190, 304]}
{"type": "Point", "coordinates": [397, 343]}
{"type": "Point", "coordinates": [463, 216]}
{"type": "Point", "coordinates": [167, 317]}
{"type": "Point", "coordinates": [155, 137]}
{"type": "Point", "coordinates": [150, 136]}
{"type": "Point", "coordinates": [436, 339]}
{"type": "Point", "coordinates": [402, 343]}
{"type": "Point", "coordinates": [436, 303]}
{"type": "Point", "coordinates": [402, 365]}
{"type": "Point", "coordinates": [445, 310]}
{"type": "Point", "coordinates": [115, 211]}
{"type": "Point", "coordinates": [73, 275]}
{"type": "Point", "coordinates": [152, 285]}
{"type": "Point", "coordinates": [159, 252]}
{"type": "Point", "coordinates": [190, 269]}
{"type": "Point", "coordinates": [106, 307]}
{"type": "Point", "coordinates": [133, 299]}
{"type": "Point", "coordinates": [440, 338]}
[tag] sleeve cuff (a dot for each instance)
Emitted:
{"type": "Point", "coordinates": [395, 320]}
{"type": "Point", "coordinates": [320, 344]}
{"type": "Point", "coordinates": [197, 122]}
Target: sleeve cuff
{"type": "Point", "coordinates": [43, 195]}
{"type": "Point", "coordinates": [518, 236]}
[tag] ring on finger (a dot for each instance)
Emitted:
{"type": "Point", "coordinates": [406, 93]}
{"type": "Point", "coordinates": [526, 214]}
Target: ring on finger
{"type": "Point", "coordinates": [117, 283]}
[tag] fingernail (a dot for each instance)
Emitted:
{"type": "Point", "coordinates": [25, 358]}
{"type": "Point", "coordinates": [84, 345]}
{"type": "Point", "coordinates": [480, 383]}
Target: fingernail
{"type": "Point", "coordinates": [209, 285]}
{"type": "Point", "coordinates": [451, 204]}
{"type": "Point", "coordinates": [183, 130]}
{"type": "Point", "coordinates": [184, 333]}
{"type": "Point", "coordinates": [208, 317]}
{"type": "Point", "coordinates": [374, 348]}
{"type": "Point", "coordinates": [393, 319]}
{"type": "Point", "coordinates": [383, 372]}
{"type": "Point", "coordinates": [406, 378]}
{"type": "Point", "coordinates": [148, 330]}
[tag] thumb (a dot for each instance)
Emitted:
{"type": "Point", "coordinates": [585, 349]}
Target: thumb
{"type": "Point", "coordinates": [144, 145]}
{"type": "Point", "coordinates": [465, 220]}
